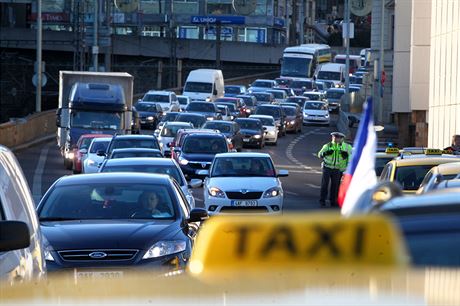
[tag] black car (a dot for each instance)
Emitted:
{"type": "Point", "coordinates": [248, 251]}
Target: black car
{"type": "Point", "coordinates": [150, 114]}
{"type": "Point", "coordinates": [276, 111]}
{"type": "Point", "coordinates": [252, 131]}
{"type": "Point", "coordinates": [131, 141]}
{"type": "Point", "coordinates": [207, 109]}
{"type": "Point", "coordinates": [264, 97]}
{"type": "Point", "coordinates": [300, 86]}
{"type": "Point", "coordinates": [251, 103]}
{"type": "Point", "coordinates": [299, 100]}
{"type": "Point", "coordinates": [198, 151]}
{"type": "Point", "coordinates": [197, 120]}
{"type": "Point", "coordinates": [231, 107]}
{"type": "Point", "coordinates": [230, 129]}
{"type": "Point", "coordinates": [134, 152]}
{"type": "Point", "coordinates": [110, 221]}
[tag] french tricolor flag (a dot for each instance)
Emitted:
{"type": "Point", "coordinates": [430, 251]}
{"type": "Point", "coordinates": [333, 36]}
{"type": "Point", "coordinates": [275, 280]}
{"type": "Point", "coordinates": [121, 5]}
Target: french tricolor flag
{"type": "Point", "coordinates": [360, 174]}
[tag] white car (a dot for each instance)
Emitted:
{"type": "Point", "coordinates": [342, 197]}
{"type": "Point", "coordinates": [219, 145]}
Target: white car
{"type": "Point", "coordinates": [93, 161]}
{"type": "Point", "coordinates": [243, 181]}
{"type": "Point", "coordinates": [316, 112]}
{"type": "Point", "coordinates": [168, 132]}
{"type": "Point", "coordinates": [167, 100]}
{"type": "Point", "coordinates": [270, 127]}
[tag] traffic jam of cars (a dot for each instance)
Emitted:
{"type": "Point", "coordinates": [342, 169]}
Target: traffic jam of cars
{"type": "Point", "coordinates": [131, 206]}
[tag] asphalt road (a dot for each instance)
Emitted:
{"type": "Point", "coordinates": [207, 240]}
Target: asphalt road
{"type": "Point", "coordinates": [42, 165]}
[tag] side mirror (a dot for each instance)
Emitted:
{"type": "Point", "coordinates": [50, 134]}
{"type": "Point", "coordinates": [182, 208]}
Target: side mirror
{"type": "Point", "coordinates": [282, 173]}
{"type": "Point", "coordinates": [198, 215]}
{"type": "Point", "coordinates": [14, 235]}
{"type": "Point", "coordinates": [58, 117]}
{"type": "Point", "coordinates": [202, 172]}
{"type": "Point", "coordinates": [195, 183]}
{"type": "Point", "coordinates": [101, 153]}
{"type": "Point", "coordinates": [84, 151]}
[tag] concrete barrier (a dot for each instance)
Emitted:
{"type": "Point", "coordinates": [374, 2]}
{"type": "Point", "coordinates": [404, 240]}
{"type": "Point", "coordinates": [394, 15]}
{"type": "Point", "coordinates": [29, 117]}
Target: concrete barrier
{"type": "Point", "coordinates": [30, 129]}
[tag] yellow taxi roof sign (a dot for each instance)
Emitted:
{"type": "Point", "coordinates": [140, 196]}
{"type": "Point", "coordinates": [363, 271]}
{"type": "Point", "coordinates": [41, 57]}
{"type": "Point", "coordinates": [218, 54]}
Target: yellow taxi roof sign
{"type": "Point", "coordinates": [257, 243]}
{"type": "Point", "coordinates": [392, 150]}
{"type": "Point", "coordinates": [433, 152]}
{"type": "Point", "coordinates": [448, 151]}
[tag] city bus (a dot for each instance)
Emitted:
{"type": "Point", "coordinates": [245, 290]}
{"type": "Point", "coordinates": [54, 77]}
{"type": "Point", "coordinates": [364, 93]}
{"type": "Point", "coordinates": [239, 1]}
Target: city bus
{"type": "Point", "coordinates": [301, 61]}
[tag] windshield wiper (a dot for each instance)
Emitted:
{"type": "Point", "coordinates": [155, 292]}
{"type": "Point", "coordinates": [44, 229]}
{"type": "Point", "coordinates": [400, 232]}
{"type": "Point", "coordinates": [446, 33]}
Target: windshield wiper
{"type": "Point", "coordinates": [56, 219]}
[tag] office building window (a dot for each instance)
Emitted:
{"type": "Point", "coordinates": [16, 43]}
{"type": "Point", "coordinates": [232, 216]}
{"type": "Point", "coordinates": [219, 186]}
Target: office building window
{"type": "Point", "coordinates": [185, 7]}
{"type": "Point", "coordinates": [153, 6]}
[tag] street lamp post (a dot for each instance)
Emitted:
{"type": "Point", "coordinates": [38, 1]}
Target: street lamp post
{"type": "Point", "coordinates": [38, 94]}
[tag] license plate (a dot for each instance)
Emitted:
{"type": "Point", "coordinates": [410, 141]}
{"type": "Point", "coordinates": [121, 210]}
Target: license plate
{"type": "Point", "coordinates": [246, 140]}
{"type": "Point", "coordinates": [244, 203]}
{"type": "Point", "coordinates": [99, 274]}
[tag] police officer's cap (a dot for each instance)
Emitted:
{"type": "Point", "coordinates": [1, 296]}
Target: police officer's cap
{"type": "Point", "coordinates": [338, 134]}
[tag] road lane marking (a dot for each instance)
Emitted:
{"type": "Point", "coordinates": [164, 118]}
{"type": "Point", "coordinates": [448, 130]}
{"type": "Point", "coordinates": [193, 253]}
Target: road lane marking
{"type": "Point", "coordinates": [37, 181]}
{"type": "Point", "coordinates": [291, 193]}
{"type": "Point", "coordinates": [313, 186]}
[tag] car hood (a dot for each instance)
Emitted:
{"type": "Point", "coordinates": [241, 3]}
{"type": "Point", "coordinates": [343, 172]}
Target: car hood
{"type": "Point", "coordinates": [289, 118]}
{"type": "Point", "coordinates": [246, 183]}
{"type": "Point", "coordinates": [99, 234]}
{"type": "Point", "coordinates": [146, 114]}
{"type": "Point", "coordinates": [249, 132]}
{"type": "Point", "coordinates": [315, 112]}
{"type": "Point", "coordinates": [206, 114]}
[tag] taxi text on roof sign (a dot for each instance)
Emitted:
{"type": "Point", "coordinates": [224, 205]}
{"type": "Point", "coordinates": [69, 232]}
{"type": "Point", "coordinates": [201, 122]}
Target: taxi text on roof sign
{"type": "Point", "coordinates": [433, 152]}
{"type": "Point", "coordinates": [392, 150]}
{"type": "Point", "coordinates": [242, 243]}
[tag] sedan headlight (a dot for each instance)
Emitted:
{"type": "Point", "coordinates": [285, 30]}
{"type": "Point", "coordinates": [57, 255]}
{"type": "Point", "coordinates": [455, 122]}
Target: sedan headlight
{"type": "Point", "coordinates": [210, 118]}
{"type": "Point", "coordinates": [150, 118]}
{"type": "Point", "coordinates": [256, 136]}
{"type": "Point", "coordinates": [164, 247]}
{"type": "Point", "coordinates": [273, 192]}
{"type": "Point", "coordinates": [292, 122]}
{"type": "Point", "coordinates": [183, 161]}
{"type": "Point", "coordinates": [91, 162]}
{"type": "Point", "coordinates": [70, 155]}
{"type": "Point", "coordinates": [216, 192]}
{"type": "Point", "coordinates": [326, 116]}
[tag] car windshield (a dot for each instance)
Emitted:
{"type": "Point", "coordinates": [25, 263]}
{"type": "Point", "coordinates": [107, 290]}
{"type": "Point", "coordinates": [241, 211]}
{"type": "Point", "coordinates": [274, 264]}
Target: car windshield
{"type": "Point", "coordinates": [320, 86]}
{"type": "Point", "coordinates": [204, 145]}
{"type": "Point", "coordinates": [169, 117]}
{"type": "Point", "coordinates": [301, 84]}
{"type": "Point", "coordinates": [96, 120]}
{"type": "Point", "coordinates": [222, 127]}
{"type": "Point", "coordinates": [248, 100]}
{"type": "Point", "coordinates": [205, 107]}
{"type": "Point", "coordinates": [146, 107]}
{"type": "Point", "coordinates": [182, 100]}
{"type": "Point", "coordinates": [380, 164]}
{"type": "Point", "coordinates": [109, 201]}
{"type": "Point", "coordinates": [262, 97]}
{"type": "Point", "coordinates": [267, 121]}
{"type": "Point", "coordinates": [275, 112]}
{"type": "Point", "coordinates": [196, 121]}
{"type": "Point", "coordinates": [356, 80]}
{"type": "Point", "coordinates": [311, 96]}
{"type": "Point", "coordinates": [410, 177]}
{"type": "Point", "coordinates": [232, 90]}
{"type": "Point", "coordinates": [315, 106]}
{"type": "Point", "coordinates": [249, 124]}
{"type": "Point", "coordinates": [264, 84]}
{"type": "Point", "coordinates": [85, 142]}
{"type": "Point", "coordinates": [329, 75]}
{"type": "Point", "coordinates": [230, 106]}
{"type": "Point", "coordinates": [98, 146]}
{"type": "Point", "coordinates": [289, 111]}
{"type": "Point", "coordinates": [296, 67]}
{"type": "Point", "coordinates": [278, 94]}
{"type": "Point", "coordinates": [171, 130]}
{"type": "Point", "coordinates": [332, 94]}
{"type": "Point", "coordinates": [135, 143]}
{"type": "Point", "coordinates": [198, 87]}
{"type": "Point", "coordinates": [170, 170]}
{"type": "Point", "coordinates": [135, 154]}
{"type": "Point", "coordinates": [284, 82]}
{"type": "Point", "coordinates": [156, 98]}
{"type": "Point", "coordinates": [243, 166]}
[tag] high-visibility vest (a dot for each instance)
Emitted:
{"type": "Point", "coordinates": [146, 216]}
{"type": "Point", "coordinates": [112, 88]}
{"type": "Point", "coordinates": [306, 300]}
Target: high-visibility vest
{"type": "Point", "coordinates": [335, 160]}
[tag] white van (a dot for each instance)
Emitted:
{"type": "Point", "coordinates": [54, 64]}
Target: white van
{"type": "Point", "coordinates": [331, 72]}
{"type": "Point", "coordinates": [204, 85]}
{"type": "Point", "coordinates": [355, 61]}
{"type": "Point", "coordinates": [22, 254]}
{"type": "Point", "coordinates": [167, 100]}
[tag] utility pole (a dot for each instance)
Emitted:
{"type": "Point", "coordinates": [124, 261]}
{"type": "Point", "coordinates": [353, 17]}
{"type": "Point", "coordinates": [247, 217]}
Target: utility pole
{"type": "Point", "coordinates": [96, 30]}
{"type": "Point", "coordinates": [218, 43]}
{"type": "Point", "coordinates": [381, 64]}
{"type": "Point", "coordinates": [347, 59]}
{"type": "Point", "coordinates": [38, 94]}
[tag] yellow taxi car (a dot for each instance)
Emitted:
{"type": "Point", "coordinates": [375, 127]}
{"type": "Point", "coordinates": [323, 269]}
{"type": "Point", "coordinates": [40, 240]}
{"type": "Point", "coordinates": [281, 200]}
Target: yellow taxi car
{"type": "Point", "coordinates": [437, 174]}
{"type": "Point", "coordinates": [409, 171]}
{"type": "Point", "coordinates": [382, 158]}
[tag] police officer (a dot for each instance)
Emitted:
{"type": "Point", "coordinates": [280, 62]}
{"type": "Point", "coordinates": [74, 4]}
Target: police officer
{"type": "Point", "coordinates": [335, 156]}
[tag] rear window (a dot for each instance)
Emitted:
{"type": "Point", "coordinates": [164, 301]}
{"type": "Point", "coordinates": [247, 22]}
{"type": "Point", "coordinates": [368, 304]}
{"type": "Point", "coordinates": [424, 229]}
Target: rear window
{"type": "Point", "coordinates": [135, 154]}
{"type": "Point", "coordinates": [156, 98]}
{"type": "Point", "coordinates": [171, 130]}
{"type": "Point", "coordinates": [205, 145]}
{"type": "Point", "coordinates": [250, 124]}
{"type": "Point", "coordinates": [99, 146]}
{"type": "Point", "coordinates": [201, 107]}
{"type": "Point", "coordinates": [262, 97]}
{"type": "Point", "coordinates": [262, 84]}
{"type": "Point", "coordinates": [196, 121]}
{"type": "Point", "coordinates": [233, 90]}
{"type": "Point", "coordinates": [222, 127]}
{"type": "Point", "coordinates": [135, 143]}
{"type": "Point", "coordinates": [334, 94]}
{"type": "Point", "coordinates": [278, 94]}
{"type": "Point", "coordinates": [146, 107]}
{"type": "Point", "coordinates": [410, 177]}
{"type": "Point", "coordinates": [300, 84]}
{"type": "Point", "coordinates": [275, 112]}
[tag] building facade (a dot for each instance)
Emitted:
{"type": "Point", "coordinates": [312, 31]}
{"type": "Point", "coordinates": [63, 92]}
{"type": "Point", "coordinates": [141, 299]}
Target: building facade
{"type": "Point", "coordinates": [444, 77]}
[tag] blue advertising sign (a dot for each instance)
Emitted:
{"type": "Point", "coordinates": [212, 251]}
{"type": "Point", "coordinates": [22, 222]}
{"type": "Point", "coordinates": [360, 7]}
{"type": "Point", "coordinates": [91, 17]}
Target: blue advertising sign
{"type": "Point", "coordinates": [182, 32]}
{"type": "Point", "coordinates": [223, 31]}
{"type": "Point", "coordinates": [261, 35]}
{"type": "Point", "coordinates": [278, 22]}
{"type": "Point", "coordinates": [212, 19]}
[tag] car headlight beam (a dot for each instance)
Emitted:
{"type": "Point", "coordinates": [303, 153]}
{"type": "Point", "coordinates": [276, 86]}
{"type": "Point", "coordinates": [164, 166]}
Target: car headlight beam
{"type": "Point", "coordinates": [273, 192]}
{"type": "Point", "coordinates": [216, 192]}
{"type": "Point", "coordinates": [165, 247]}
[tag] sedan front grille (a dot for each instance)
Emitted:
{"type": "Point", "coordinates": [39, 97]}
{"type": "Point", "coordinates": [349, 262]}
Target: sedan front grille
{"type": "Point", "coordinates": [199, 165]}
{"type": "Point", "coordinates": [98, 255]}
{"type": "Point", "coordinates": [237, 195]}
